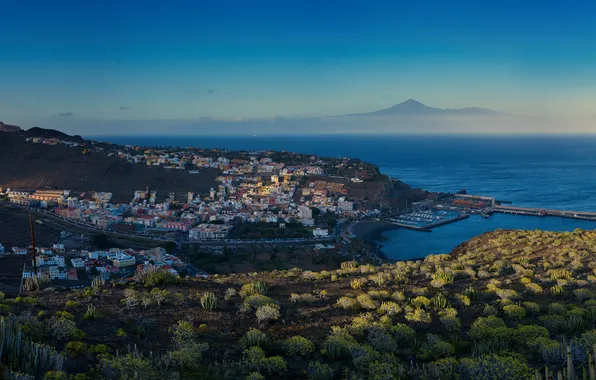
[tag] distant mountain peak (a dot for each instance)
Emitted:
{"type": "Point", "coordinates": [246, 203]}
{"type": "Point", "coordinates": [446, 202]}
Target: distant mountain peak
{"type": "Point", "coordinates": [414, 107]}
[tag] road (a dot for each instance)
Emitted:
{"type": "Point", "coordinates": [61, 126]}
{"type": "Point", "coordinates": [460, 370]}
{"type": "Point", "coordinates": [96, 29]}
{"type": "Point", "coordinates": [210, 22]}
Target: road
{"type": "Point", "coordinates": [178, 241]}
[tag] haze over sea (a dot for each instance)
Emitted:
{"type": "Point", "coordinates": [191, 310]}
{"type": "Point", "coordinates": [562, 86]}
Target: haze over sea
{"type": "Point", "coordinates": [557, 172]}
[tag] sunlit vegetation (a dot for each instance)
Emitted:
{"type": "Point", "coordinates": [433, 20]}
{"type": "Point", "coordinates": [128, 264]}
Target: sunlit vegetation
{"type": "Point", "coordinates": [506, 305]}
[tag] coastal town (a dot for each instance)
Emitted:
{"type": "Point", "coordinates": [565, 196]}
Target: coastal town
{"type": "Point", "coordinates": [263, 196]}
{"type": "Point", "coordinates": [252, 187]}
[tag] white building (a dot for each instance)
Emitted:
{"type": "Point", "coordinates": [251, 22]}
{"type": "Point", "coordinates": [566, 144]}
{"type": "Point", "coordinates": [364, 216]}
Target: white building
{"type": "Point", "coordinates": [77, 263]}
{"type": "Point", "coordinates": [60, 261]}
{"type": "Point", "coordinates": [54, 272]}
{"type": "Point", "coordinates": [345, 206]}
{"type": "Point", "coordinates": [1, 249]}
{"type": "Point", "coordinates": [304, 212]}
{"type": "Point", "coordinates": [209, 231]}
{"type": "Point", "coordinates": [123, 260]}
{"type": "Point", "coordinates": [320, 232]}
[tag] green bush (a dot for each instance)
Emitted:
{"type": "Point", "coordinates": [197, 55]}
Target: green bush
{"type": "Point", "coordinates": [75, 348]}
{"type": "Point", "coordinates": [54, 375]}
{"type": "Point", "coordinates": [267, 313]}
{"type": "Point", "coordinates": [258, 287]}
{"type": "Point", "coordinates": [319, 371]}
{"type": "Point", "coordinates": [257, 300]}
{"type": "Point", "coordinates": [514, 312]}
{"type": "Point", "coordinates": [338, 344]}
{"type": "Point", "coordinates": [298, 346]}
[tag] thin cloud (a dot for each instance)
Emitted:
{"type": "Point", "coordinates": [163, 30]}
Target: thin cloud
{"type": "Point", "coordinates": [210, 91]}
{"type": "Point", "coordinates": [66, 114]}
{"type": "Point", "coordinates": [124, 108]}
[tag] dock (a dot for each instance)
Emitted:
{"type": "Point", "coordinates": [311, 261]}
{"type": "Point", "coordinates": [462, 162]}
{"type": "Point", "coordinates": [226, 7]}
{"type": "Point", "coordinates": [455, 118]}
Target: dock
{"type": "Point", "coordinates": [531, 211]}
{"type": "Point", "coordinates": [425, 221]}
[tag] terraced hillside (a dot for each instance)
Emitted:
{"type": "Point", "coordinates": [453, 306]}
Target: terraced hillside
{"type": "Point", "coordinates": [502, 306]}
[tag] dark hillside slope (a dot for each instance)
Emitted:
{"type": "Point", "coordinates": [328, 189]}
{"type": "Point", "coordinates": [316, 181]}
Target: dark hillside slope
{"type": "Point", "coordinates": [27, 165]}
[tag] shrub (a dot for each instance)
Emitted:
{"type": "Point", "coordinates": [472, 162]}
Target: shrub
{"type": "Point", "coordinates": [51, 375]}
{"type": "Point", "coordinates": [71, 304]}
{"type": "Point", "coordinates": [258, 287]}
{"type": "Point", "coordinates": [389, 308]}
{"type": "Point", "coordinates": [556, 290]}
{"type": "Point", "coordinates": [381, 340]}
{"type": "Point", "coordinates": [554, 323]}
{"type": "Point", "coordinates": [379, 294]}
{"type": "Point", "coordinates": [420, 301]}
{"type": "Point", "coordinates": [258, 300]}
{"type": "Point", "coordinates": [419, 316]}
{"type": "Point", "coordinates": [319, 371]}
{"type": "Point", "coordinates": [534, 288]}
{"type": "Point", "coordinates": [65, 315]}
{"type": "Point", "coordinates": [120, 333]}
{"type": "Point", "coordinates": [441, 278]}
{"type": "Point", "coordinates": [255, 376]}
{"type": "Point", "coordinates": [463, 299]}
{"type": "Point", "coordinates": [209, 301]}
{"type": "Point", "coordinates": [507, 294]}
{"type": "Point", "coordinates": [338, 345]}
{"type": "Point", "coordinates": [298, 346]}
{"type": "Point", "coordinates": [254, 358]}
{"type": "Point", "coordinates": [398, 296]}
{"type": "Point", "coordinates": [528, 334]}
{"type": "Point", "coordinates": [514, 312]}
{"type": "Point", "coordinates": [451, 323]}
{"type": "Point", "coordinates": [99, 349]}
{"type": "Point", "coordinates": [158, 295]}
{"type": "Point", "coordinates": [367, 302]}
{"type": "Point", "coordinates": [75, 348]}
{"type": "Point", "coordinates": [230, 292]}
{"type": "Point", "coordinates": [482, 326]}
{"type": "Point", "coordinates": [348, 303]}
{"type": "Point", "coordinates": [583, 294]}
{"type": "Point", "coordinates": [548, 349]}
{"type": "Point", "coordinates": [92, 313]}
{"type": "Point", "coordinates": [267, 313]}
{"type": "Point", "coordinates": [276, 364]}
{"type": "Point", "coordinates": [189, 355]}
{"type": "Point", "coordinates": [494, 367]}
{"type": "Point", "coordinates": [557, 309]}
{"type": "Point", "coordinates": [62, 328]}
{"type": "Point", "coordinates": [254, 338]}
{"type": "Point", "coordinates": [183, 332]}
{"type": "Point", "coordinates": [357, 283]}
{"type": "Point", "coordinates": [531, 307]}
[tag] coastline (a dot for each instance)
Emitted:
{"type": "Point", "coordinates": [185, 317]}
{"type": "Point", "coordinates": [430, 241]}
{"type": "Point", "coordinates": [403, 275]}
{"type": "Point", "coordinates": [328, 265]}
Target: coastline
{"type": "Point", "coordinates": [372, 233]}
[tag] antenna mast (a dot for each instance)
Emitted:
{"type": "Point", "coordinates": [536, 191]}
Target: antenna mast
{"type": "Point", "coordinates": [33, 243]}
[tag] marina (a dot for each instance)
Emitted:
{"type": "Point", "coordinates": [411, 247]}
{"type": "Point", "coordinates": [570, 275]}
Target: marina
{"type": "Point", "coordinates": [425, 215]}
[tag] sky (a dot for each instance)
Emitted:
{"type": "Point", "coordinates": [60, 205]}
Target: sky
{"type": "Point", "coordinates": [77, 62]}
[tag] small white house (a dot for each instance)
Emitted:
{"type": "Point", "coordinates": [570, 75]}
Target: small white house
{"type": "Point", "coordinates": [77, 263]}
{"type": "Point", "coordinates": [320, 232]}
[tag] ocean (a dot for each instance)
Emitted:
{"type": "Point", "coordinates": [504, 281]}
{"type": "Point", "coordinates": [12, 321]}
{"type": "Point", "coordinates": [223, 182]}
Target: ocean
{"type": "Point", "coordinates": [557, 172]}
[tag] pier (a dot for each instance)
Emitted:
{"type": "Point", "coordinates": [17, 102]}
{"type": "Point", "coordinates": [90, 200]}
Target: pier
{"type": "Point", "coordinates": [583, 215]}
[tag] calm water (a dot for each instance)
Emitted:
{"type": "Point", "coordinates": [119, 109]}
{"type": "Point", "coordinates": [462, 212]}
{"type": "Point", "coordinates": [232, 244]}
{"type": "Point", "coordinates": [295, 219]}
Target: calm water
{"type": "Point", "coordinates": [546, 171]}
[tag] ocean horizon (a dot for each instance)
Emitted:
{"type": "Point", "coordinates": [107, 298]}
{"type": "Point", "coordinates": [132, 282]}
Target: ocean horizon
{"type": "Point", "coordinates": [545, 171]}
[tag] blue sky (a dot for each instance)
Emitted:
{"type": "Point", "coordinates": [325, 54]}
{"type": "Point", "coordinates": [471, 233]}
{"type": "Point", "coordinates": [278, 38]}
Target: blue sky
{"type": "Point", "coordinates": [119, 60]}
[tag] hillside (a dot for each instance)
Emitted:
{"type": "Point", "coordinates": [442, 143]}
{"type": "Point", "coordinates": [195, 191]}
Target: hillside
{"type": "Point", "coordinates": [26, 165]}
{"type": "Point", "coordinates": [500, 306]}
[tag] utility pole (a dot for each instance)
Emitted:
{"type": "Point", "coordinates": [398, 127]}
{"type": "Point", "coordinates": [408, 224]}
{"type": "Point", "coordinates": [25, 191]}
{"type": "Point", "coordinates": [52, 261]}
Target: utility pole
{"type": "Point", "coordinates": [33, 244]}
